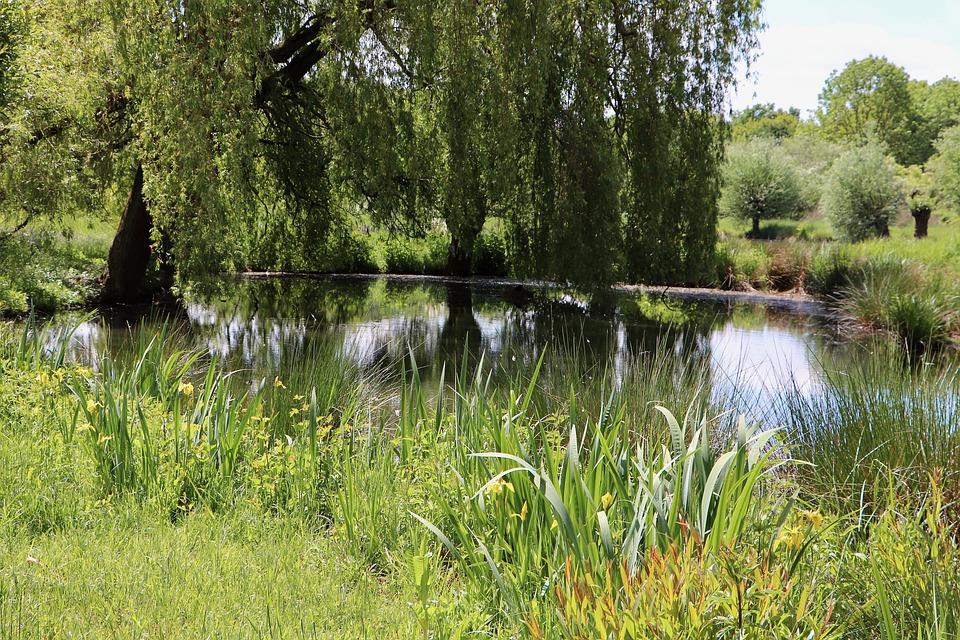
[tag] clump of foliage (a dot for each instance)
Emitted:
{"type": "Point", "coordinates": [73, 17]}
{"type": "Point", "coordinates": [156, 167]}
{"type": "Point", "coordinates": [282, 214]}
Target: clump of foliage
{"type": "Point", "coordinates": [42, 273]}
{"type": "Point", "coordinates": [946, 169]}
{"type": "Point", "coordinates": [765, 121]}
{"type": "Point", "coordinates": [901, 297]}
{"type": "Point", "coordinates": [759, 184]}
{"type": "Point", "coordinates": [862, 194]}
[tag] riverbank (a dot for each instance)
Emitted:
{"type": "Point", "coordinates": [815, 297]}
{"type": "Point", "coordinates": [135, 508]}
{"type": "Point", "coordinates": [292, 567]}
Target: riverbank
{"type": "Point", "coordinates": [326, 502]}
{"type": "Point", "coordinates": [899, 286]}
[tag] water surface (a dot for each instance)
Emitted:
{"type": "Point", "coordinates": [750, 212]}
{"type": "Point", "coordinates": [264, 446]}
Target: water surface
{"type": "Point", "coordinates": [754, 352]}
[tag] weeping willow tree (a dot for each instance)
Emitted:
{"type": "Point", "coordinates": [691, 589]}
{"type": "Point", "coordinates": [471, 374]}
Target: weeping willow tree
{"type": "Point", "coordinates": [589, 126]}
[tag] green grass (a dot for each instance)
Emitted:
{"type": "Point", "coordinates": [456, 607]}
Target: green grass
{"type": "Point", "coordinates": [236, 575]}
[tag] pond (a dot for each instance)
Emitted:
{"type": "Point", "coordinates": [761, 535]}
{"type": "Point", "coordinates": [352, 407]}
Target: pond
{"type": "Point", "coordinates": [753, 352]}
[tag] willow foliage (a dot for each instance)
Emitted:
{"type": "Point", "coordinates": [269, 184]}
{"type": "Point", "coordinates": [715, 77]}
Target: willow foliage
{"type": "Point", "coordinates": [590, 126]}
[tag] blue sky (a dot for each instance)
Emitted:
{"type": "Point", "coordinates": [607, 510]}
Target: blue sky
{"type": "Point", "coordinates": [807, 39]}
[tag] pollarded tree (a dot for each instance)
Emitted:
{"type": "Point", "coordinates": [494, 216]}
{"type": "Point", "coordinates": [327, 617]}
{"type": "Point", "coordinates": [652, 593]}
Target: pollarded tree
{"type": "Point", "coordinates": [872, 97]}
{"type": "Point", "coordinates": [862, 194]}
{"type": "Point", "coordinates": [759, 183]}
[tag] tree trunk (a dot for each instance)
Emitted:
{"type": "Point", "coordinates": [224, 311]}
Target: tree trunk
{"type": "Point", "coordinates": [459, 258]}
{"type": "Point", "coordinates": [755, 231]}
{"type": "Point", "coordinates": [883, 229]}
{"type": "Point", "coordinates": [129, 257]}
{"type": "Point", "coordinates": [921, 221]}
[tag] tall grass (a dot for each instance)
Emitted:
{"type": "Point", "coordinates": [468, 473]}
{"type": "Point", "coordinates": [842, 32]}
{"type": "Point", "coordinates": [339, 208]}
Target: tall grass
{"type": "Point", "coordinates": [877, 414]}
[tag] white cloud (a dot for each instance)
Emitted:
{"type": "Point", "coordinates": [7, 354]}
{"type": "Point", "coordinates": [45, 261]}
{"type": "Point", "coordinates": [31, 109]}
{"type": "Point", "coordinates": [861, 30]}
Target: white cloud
{"type": "Point", "coordinates": [795, 60]}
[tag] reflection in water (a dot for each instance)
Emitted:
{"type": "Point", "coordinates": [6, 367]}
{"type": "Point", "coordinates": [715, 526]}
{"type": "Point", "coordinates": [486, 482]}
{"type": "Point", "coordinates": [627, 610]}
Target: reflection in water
{"type": "Point", "coordinates": [753, 353]}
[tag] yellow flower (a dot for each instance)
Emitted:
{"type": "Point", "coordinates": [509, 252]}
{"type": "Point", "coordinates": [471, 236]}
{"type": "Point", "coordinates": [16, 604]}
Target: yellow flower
{"type": "Point", "coordinates": [85, 426]}
{"type": "Point", "coordinates": [91, 405]}
{"type": "Point", "coordinates": [791, 537]}
{"type": "Point", "coordinates": [278, 383]}
{"type": "Point", "coordinates": [186, 388]}
{"type": "Point", "coordinates": [294, 411]}
{"type": "Point", "coordinates": [606, 500]}
{"type": "Point", "coordinates": [297, 398]}
{"type": "Point", "coordinates": [43, 377]}
{"type": "Point", "coordinates": [497, 487]}
{"type": "Point", "coordinates": [553, 524]}
{"type": "Point", "coordinates": [524, 510]}
{"type": "Point", "coordinates": [815, 518]}
{"type": "Point", "coordinates": [104, 439]}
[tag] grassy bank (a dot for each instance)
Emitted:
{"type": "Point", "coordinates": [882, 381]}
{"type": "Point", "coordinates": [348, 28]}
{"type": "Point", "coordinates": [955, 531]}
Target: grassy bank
{"type": "Point", "coordinates": [899, 285]}
{"type": "Point", "coordinates": [162, 496]}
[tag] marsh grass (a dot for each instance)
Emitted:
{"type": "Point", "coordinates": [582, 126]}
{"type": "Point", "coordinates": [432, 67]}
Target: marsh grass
{"type": "Point", "coordinates": [883, 414]}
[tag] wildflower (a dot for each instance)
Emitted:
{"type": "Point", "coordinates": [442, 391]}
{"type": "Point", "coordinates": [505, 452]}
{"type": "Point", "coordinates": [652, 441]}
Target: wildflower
{"type": "Point", "coordinates": [524, 510]}
{"type": "Point", "coordinates": [91, 405]}
{"type": "Point", "coordinates": [606, 500]}
{"type": "Point", "coordinates": [297, 398]}
{"type": "Point", "coordinates": [186, 388]}
{"type": "Point", "coordinates": [791, 537]}
{"type": "Point", "coordinates": [814, 518]}
{"type": "Point", "coordinates": [497, 487]}
{"type": "Point", "coordinates": [104, 439]}
{"type": "Point", "coordinates": [278, 383]}
{"type": "Point", "coordinates": [86, 426]}
{"type": "Point", "coordinates": [294, 411]}
{"type": "Point", "coordinates": [43, 377]}
{"type": "Point", "coordinates": [553, 524]}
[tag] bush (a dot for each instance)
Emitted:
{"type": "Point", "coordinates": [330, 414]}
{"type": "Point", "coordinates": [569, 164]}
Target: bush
{"type": "Point", "coordinates": [862, 194]}
{"type": "Point", "coordinates": [759, 184]}
{"type": "Point", "coordinates": [421, 256]}
{"type": "Point", "coordinates": [750, 267]}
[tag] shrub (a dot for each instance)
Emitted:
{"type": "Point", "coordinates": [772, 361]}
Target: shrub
{"type": "Point", "coordinates": [759, 184]}
{"type": "Point", "coordinates": [862, 194]}
{"type": "Point", "coordinates": [743, 265]}
{"type": "Point", "coordinates": [427, 255]}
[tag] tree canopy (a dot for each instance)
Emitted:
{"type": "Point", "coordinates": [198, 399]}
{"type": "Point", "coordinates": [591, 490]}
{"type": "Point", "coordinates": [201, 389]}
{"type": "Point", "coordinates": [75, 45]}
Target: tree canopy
{"type": "Point", "coordinates": [591, 128]}
{"type": "Point", "coordinates": [765, 121]}
{"type": "Point", "coordinates": [871, 97]}
{"type": "Point", "coordinates": [760, 183]}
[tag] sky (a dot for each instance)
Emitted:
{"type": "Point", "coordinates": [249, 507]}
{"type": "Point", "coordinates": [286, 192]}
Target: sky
{"type": "Point", "coordinates": [805, 40]}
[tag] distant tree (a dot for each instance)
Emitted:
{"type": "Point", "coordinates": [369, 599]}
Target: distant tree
{"type": "Point", "coordinates": [759, 184]}
{"type": "Point", "coordinates": [765, 121]}
{"type": "Point", "coordinates": [862, 194]}
{"type": "Point", "coordinates": [946, 169]}
{"type": "Point", "coordinates": [938, 105]}
{"type": "Point", "coordinates": [871, 97]}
